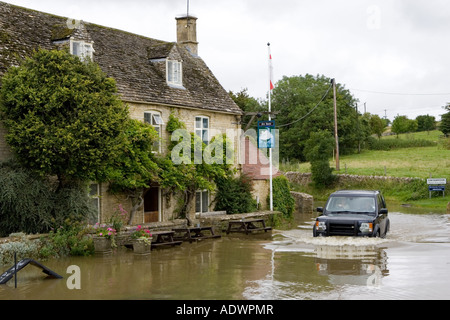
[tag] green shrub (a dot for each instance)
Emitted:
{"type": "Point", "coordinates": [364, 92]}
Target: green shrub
{"type": "Point", "coordinates": [282, 198]}
{"type": "Point", "coordinates": [32, 204]}
{"type": "Point", "coordinates": [234, 195]}
{"type": "Point", "coordinates": [22, 246]}
{"type": "Point", "coordinates": [446, 143]}
{"type": "Point", "coordinates": [25, 201]}
{"type": "Point", "coordinates": [322, 173]}
{"type": "Point", "coordinates": [72, 239]}
{"type": "Point", "coordinates": [319, 146]}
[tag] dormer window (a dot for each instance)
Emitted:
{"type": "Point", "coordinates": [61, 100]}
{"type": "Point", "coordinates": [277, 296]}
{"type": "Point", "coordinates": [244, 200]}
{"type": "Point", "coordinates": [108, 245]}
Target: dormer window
{"type": "Point", "coordinates": [174, 73]}
{"type": "Point", "coordinates": [83, 50]}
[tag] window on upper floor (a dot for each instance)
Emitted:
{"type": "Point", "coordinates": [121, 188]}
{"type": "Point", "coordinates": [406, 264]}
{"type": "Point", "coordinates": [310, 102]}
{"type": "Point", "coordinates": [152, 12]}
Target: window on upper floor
{"type": "Point", "coordinates": [202, 128]}
{"type": "Point", "coordinates": [154, 118]}
{"type": "Point", "coordinates": [174, 73]}
{"type": "Point", "coordinates": [83, 50]}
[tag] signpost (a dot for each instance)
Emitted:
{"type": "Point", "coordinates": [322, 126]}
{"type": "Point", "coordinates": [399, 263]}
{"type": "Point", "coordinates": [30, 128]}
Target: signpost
{"type": "Point", "coordinates": [437, 184]}
{"type": "Point", "coordinates": [266, 134]}
{"type": "Point", "coordinates": [266, 140]}
{"type": "Point", "coordinates": [439, 181]}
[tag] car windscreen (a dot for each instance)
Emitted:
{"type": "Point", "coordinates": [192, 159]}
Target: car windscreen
{"type": "Point", "coordinates": [342, 204]}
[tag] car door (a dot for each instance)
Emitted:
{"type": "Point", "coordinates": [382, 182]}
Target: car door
{"type": "Point", "coordinates": [382, 215]}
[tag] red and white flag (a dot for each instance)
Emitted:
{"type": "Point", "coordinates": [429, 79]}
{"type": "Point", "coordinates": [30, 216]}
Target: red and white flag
{"type": "Point", "coordinates": [271, 85]}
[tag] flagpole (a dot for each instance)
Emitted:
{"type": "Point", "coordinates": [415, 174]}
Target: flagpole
{"type": "Point", "coordinates": [270, 118]}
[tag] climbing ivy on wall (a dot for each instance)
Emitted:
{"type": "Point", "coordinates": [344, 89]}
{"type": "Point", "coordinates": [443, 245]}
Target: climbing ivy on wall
{"type": "Point", "coordinates": [187, 177]}
{"type": "Point", "coordinates": [282, 198]}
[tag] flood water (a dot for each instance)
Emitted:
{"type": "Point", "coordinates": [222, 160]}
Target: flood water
{"type": "Point", "coordinates": [413, 262]}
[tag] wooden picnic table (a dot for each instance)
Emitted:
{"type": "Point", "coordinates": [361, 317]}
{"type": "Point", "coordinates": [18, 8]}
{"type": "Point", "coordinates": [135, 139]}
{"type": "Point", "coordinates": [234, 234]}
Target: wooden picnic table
{"type": "Point", "coordinates": [195, 233]}
{"type": "Point", "coordinates": [164, 238]}
{"type": "Point", "coordinates": [247, 226]}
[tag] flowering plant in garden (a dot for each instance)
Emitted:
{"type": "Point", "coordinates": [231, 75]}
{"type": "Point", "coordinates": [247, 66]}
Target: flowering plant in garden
{"type": "Point", "coordinates": [118, 218]}
{"type": "Point", "coordinates": [102, 230]}
{"type": "Point", "coordinates": [142, 234]}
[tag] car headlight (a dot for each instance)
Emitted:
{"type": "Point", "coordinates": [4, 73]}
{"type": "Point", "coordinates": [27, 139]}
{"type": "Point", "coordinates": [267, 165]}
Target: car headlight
{"type": "Point", "coordinates": [366, 227]}
{"type": "Point", "coordinates": [321, 226]}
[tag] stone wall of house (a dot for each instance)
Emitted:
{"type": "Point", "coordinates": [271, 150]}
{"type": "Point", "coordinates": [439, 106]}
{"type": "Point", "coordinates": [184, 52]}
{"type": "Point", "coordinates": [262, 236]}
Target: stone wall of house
{"type": "Point", "coordinates": [260, 192]}
{"type": "Point", "coordinates": [109, 203]}
{"type": "Point", "coordinates": [219, 122]}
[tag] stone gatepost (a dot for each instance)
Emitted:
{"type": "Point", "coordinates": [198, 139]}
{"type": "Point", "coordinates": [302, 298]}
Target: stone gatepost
{"type": "Point", "coordinates": [303, 202]}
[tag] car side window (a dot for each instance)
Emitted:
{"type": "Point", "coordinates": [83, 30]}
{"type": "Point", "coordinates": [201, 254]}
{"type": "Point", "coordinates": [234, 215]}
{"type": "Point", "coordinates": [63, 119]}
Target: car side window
{"type": "Point", "coordinates": [381, 203]}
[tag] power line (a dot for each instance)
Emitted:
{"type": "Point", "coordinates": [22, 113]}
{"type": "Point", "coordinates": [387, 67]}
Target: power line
{"type": "Point", "coordinates": [402, 94]}
{"type": "Point", "coordinates": [312, 110]}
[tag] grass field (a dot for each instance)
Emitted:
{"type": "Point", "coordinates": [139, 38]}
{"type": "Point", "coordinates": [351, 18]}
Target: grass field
{"type": "Point", "coordinates": [420, 162]}
{"type": "Point", "coordinates": [404, 162]}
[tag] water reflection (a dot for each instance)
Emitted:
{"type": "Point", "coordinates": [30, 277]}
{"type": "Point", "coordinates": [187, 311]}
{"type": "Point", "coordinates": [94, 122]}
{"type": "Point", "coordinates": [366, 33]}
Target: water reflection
{"type": "Point", "coordinates": [412, 262]}
{"type": "Point", "coordinates": [213, 269]}
{"type": "Point", "coordinates": [303, 267]}
{"type": "Point", "coordinates": [347, 265]}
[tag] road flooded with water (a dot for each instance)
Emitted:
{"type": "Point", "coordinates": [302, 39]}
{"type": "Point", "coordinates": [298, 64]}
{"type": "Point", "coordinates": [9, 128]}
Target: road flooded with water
{"type": "Point", "coordinates": [412, 262]}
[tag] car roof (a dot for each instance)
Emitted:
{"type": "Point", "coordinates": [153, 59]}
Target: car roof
{"type": "Point", "coordinates": [355, 192]}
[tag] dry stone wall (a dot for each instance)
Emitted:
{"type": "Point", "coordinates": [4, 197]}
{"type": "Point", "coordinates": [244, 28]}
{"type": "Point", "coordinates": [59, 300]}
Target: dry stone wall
{"type": "Point", "coordinates": [305, 178]}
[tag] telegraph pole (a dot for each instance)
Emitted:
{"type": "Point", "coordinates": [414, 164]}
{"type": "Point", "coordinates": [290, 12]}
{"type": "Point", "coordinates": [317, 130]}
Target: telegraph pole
{"type": "Point", "coordinates": [357, 126]}
{"type": "Point", "coordinates": [335, 125]}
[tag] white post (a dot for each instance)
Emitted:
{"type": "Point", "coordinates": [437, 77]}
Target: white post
{"type": "Point", "coordinates": [270, 118]}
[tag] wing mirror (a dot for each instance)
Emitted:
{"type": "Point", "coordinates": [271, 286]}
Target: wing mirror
{"type": "Point", "coordinates": [319, 209]}
{"type": "Point", "coordinates": [384, 211]}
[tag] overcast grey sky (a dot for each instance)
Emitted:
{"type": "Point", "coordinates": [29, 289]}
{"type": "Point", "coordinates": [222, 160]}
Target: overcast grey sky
{"type": "Point", "coordinates": [392, 55]}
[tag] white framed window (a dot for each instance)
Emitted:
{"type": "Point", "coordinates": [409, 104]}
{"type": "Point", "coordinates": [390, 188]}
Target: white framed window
{"type": "Point", "coordinates": [174, 73]}
{"type": "Point", "coordinates": [202, 128]}
{"type": "Point", "coordinates": [154, 118]}
{"type": "Point", "coordinates": [82, 49]}
{"type": "Point", "coordinates": [201, 201]}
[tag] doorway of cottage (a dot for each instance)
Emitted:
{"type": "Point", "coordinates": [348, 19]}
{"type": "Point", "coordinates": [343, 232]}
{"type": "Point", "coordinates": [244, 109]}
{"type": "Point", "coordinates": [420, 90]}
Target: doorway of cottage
{"type": "Point", "coordinates": [152, 205]}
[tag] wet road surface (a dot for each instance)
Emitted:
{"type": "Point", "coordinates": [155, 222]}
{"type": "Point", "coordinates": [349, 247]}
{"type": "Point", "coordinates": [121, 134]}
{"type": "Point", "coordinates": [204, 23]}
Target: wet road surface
{"type": "Point", "coordinates": [413, 262]}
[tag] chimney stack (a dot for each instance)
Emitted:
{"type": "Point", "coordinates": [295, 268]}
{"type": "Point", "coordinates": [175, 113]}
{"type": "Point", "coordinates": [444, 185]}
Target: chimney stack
{"type": "Point", "coordinates": [187, 33]}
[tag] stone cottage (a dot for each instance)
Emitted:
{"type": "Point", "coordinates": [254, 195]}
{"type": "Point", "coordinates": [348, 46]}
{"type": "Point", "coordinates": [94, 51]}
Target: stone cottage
{"type": "Point", "coordinates": [155, 78]}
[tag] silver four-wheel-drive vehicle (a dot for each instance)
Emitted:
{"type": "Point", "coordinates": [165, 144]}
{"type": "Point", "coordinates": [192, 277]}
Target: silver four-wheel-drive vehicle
{"type": "Point", "coordinates": [353, 213]}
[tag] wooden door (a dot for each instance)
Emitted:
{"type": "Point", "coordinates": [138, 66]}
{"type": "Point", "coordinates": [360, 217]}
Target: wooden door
{"type": "Point", "coordinates": [151, 205]}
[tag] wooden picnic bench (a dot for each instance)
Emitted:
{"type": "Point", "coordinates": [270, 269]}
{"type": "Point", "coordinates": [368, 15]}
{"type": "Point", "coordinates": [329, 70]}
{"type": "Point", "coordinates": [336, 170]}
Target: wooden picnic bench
{"type": "Point", "coordinates": [195, 233]}
{"type": "Point", "coordinates": [247, 226]}
{"type": "Point", "coordinates": [164, 238]}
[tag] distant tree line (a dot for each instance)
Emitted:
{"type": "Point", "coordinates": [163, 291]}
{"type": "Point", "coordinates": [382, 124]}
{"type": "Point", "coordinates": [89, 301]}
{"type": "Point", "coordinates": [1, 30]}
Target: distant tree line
{"type": "Point", "coordinates": [304, 107]}
{"type": "Point", "coordinates": [402, 124]}
{"type": "Point", "coordinates": [299, 113]}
